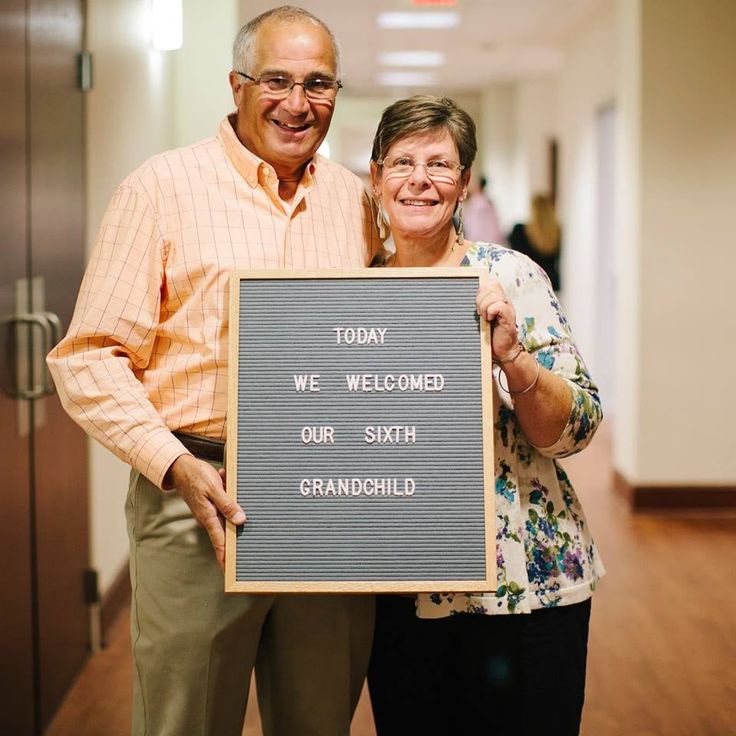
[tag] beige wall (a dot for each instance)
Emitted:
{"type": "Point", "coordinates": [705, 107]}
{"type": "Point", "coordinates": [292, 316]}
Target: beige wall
{"type": "Point", "coordinates": [128, 109]}
{"type": "Point", "coordinates": [497, 135]}
{"type": "Point", "coordinates": [537, 122]}
{"type": "Point", "coordinates": [202, 95]}
{"type": "Point", "coordinates": [682, 424]}
{"type": "Point", "coordinates": [352, 129]}
{"type": "Point", "coordinates": [587, 82]}
{"type": "Point", "coordinates": [628, 226]}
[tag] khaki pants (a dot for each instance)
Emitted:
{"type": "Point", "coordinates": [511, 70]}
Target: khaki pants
{"type": "Point", "coordinates": [194, 647]}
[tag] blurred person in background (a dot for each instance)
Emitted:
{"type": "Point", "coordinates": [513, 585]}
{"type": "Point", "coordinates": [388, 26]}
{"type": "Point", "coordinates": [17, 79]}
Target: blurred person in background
{"type": "Point", "coordinates": [510, 660]}
{"type": "Point", "coordinates": [479, 215]}
{"type": "Point", "coordinates": [540, 238]}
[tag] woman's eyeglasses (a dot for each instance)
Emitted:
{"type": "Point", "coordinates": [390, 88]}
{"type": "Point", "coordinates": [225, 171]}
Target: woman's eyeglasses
{"type": "Point", "coordinates": [437, 169]}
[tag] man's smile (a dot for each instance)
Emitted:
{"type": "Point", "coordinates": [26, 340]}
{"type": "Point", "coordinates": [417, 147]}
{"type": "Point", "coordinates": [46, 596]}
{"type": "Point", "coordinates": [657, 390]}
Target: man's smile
{"type": "Point", "coordinates": [291, 127]}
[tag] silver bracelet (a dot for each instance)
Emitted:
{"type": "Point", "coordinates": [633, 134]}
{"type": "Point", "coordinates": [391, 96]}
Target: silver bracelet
{"type": "Point", "coordinates": [524, 390]}
{"type": "Point", "coordinates": [530, 386]}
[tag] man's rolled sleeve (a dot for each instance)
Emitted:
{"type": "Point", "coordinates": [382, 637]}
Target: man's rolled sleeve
{"type": "Point", "coordinates": [155, 454]}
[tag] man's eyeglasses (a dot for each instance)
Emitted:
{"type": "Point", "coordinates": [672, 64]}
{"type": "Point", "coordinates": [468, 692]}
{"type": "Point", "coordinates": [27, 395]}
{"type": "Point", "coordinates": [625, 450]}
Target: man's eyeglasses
{"type": "Point", "coordinates": [437, 169]}
{"type": "Point", "coordinates": [277, 85]}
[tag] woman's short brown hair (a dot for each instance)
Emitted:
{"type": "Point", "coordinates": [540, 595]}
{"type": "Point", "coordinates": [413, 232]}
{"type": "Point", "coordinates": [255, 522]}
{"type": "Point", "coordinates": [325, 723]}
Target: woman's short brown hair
{"type": "Point", "coordinates": [423, 113]}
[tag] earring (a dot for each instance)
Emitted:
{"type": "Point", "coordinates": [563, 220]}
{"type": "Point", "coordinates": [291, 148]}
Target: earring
{"type": "Point", "coordinates": [382, 222]}
{"type": "Point", "coordinates": [459, 226]}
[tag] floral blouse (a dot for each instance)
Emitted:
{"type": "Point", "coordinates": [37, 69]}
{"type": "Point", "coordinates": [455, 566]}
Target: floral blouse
{"type": "Point", "coordinates": [545, 554]}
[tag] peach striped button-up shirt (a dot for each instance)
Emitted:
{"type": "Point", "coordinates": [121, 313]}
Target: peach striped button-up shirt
{"type": "Point", "coordinates": [146, 352]}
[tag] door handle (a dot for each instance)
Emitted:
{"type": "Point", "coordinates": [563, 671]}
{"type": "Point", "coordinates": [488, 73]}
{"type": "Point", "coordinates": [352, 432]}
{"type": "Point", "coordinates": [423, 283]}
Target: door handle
{"type": "Point", "coordinates": [56, 329]}
{"type": "Point", "coordinates": [25, 382]}
{"type": "Point", "coordinates": [52, 334]}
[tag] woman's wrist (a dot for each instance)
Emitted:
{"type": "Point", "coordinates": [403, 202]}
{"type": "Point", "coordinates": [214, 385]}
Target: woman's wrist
{"type": "Point", "coordinates": [511, 356]}
{"type": "Point", "coordinates": [521, 373]}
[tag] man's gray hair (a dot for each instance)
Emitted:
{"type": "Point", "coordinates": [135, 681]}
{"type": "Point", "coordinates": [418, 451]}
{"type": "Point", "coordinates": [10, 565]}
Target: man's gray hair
{"type": "Point", "coordinates": [245, 41]}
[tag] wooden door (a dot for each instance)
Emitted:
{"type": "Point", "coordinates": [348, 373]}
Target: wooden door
{"type": "Point", "coordinates": [46, 533]}
{"type": "Point", "coordinates": [56, 166]}
{"type": "Point", "coordinates": [16, 632]}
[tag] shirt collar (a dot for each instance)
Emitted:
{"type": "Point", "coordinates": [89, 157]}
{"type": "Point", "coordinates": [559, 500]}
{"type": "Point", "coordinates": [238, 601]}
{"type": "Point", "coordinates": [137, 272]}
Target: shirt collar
{"type": "Point", "coordinates": [248, 164]}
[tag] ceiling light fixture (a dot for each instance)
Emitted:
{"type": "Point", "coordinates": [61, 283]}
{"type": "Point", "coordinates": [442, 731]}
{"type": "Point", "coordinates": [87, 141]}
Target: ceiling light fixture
{"type": "Point", "coordinates": [428, 20]}
{"type": "Point", "coordinates": [411, 58]}
{"type": "Point", "coordinates": [407, 79]}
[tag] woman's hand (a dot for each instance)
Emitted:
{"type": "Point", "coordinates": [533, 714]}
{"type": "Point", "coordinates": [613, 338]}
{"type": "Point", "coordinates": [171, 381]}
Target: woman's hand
{"type": "Point", "coordinates": [493, 304]}
{"type": "Point", "coordinates": [542, 401]}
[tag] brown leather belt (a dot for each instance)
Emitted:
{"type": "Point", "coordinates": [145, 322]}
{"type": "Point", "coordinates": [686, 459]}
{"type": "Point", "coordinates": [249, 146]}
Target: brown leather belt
{"type": "Point", "coordinates": [202, 447]}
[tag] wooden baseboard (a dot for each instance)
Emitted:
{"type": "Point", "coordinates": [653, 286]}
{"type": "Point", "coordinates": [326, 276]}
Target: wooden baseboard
{"type": "Point", "coordinates": [115, 600]}
{"type": "Point", "coordinates": [654, 498]}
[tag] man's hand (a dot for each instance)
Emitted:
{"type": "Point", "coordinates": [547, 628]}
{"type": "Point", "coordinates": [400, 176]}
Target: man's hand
{"type": "Point", "coordinates": [202, 487]}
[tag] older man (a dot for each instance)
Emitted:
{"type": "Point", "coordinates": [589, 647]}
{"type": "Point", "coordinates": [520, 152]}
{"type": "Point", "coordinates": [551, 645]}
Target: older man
{"type": "Point", "coordinates": [143, 370]}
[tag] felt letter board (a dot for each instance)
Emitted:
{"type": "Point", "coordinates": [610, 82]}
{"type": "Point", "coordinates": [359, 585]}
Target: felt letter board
{"type": "Point", "coordinates": [360, 438]}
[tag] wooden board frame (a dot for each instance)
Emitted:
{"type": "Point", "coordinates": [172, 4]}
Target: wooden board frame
{"type": "Point", "coordinates": [487, 583]}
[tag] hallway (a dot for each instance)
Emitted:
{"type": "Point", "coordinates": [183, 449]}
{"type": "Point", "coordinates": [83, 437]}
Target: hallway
{"type": "Point", "coordinates": [663, 633]}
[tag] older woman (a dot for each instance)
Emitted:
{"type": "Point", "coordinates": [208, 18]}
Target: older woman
{"type": "Point", "coordinates": [510, 660]}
